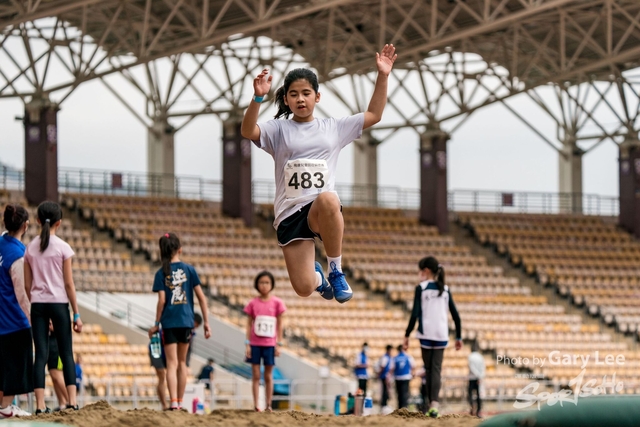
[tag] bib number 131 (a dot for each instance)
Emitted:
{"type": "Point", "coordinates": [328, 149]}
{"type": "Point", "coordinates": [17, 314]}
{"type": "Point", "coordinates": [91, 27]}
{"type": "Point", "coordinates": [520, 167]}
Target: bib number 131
{"type": "Point", "coordinates": [304, 177]}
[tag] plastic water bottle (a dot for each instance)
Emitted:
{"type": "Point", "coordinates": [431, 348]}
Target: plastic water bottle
{"type": "Point", "coordinates": [368, 406]}
{"type": "Point", "coordinates": [194, 405]}
{"type": "Point", "coordinates": [156, 346]}
{"type": "Point", "coordinates": [200, 408]}
{"type": "Point", "coordinates": [336, 405]}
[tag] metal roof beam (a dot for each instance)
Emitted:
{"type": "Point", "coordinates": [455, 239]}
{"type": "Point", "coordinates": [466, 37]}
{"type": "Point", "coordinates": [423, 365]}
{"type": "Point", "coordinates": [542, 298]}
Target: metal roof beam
{"type": "Point", "coordinates": [461, 34]}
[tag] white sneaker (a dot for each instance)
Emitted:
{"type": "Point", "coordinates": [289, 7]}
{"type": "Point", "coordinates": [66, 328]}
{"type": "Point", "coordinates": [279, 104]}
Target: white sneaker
{"type": "Point", "coordinates": [12, 411]}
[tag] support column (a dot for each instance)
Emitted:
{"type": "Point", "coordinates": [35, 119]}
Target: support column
{"type": "Point", "coordinates": [629, 161]}
{"type": "Point", "coordinates": [570, 176]}
{"type": "Point", "coordinates": [161, 158]}
{"type": "Point", "coordinates": [236, 172]}
{"type": "Point", "coordinates": [433, 180]}
{"type": "Point", "coordinates": [365, 170]}
{"type": "Point", "coordinates": [41, 151]}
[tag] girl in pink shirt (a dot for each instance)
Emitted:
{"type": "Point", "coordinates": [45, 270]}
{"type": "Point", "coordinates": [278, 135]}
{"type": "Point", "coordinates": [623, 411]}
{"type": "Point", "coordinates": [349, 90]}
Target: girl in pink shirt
{"type": "Point", "coordinates": [264, 334]}
{"type": "Point", "coordinates": [49, 283]}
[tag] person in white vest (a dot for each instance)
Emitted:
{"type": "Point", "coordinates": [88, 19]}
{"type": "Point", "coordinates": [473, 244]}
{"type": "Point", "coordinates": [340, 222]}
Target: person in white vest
{"type": "Point", "coordinates": [431, 304]}
{"type": "Point", "coordinates": [477, 368]}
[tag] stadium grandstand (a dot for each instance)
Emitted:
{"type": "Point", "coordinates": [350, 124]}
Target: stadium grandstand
{"type": "Point", "coordinates": [546, 284]}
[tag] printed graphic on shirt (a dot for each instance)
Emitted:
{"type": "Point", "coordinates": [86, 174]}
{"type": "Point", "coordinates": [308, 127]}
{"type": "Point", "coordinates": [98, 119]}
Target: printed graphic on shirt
{"type": "Point", "coordinates": [304, 177]}
{"type": "Point", "coordinates": [1, 260]}
{"type": "Point", "coordinates": [178, 296]}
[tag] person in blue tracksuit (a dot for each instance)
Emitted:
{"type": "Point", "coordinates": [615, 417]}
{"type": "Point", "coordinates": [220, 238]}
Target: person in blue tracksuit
{"type": "Point", "coordinates": [402, 368]}
{"type": "Point", "coordinates": [432, 301]}
{"type": "Point", "coordinates": [362, 368]}
{"type": "Point", "coordinates": [382, 369]}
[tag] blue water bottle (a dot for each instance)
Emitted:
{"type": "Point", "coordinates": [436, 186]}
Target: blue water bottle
{"type": "Point", "coordinates": [336, 405]}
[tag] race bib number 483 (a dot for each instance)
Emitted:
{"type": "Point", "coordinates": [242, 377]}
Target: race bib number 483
{"type": "Point", "coordinates": [304, 177]}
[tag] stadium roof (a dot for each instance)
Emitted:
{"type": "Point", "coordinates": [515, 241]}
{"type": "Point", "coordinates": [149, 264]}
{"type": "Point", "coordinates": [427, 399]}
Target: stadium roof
{"type": "Point", "coordinates": [538, 41]}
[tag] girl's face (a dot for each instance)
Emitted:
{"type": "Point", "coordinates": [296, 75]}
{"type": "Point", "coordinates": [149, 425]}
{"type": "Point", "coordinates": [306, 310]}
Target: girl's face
{"type": "Point", "coordinates": [264, 285]}
{"type": "Point", "coordinates": [301, 99]}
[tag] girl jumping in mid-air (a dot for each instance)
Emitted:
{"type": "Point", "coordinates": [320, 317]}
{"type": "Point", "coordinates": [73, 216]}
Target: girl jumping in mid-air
{"type": "Point", "coordinates": [305, 151]}
{"type": "Point", "coordinates": [176, 282]}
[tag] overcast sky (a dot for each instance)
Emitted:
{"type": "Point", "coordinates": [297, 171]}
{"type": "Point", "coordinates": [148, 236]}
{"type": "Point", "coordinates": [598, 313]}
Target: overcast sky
{"type": "Point", "coordinates": [492, 150]}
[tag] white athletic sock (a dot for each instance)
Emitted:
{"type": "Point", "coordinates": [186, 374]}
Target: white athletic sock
{"type": "Point", "coordinates": [335, 263]}
{"type": "Point", "coordinates": [319, 281]}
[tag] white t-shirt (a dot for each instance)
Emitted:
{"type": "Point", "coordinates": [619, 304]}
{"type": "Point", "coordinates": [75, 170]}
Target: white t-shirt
{"type": "Point", "coordinates": [476, 366]}
{"type": "Point", "coordinates": [48, 278]}
{"type": "Point", "coordinates": [306, 157]}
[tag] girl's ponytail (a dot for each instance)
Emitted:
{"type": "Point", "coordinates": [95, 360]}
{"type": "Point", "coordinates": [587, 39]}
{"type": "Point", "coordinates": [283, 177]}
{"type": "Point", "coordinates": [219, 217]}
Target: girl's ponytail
{"type": "Point", "coordinates": [48, 213]}
{"type": "Point", "coordinates": [440, 279]}
{"type": "Point", "coordinates": [169, 244]}
{"type": "Point", "coordinates": [432, 265]}
{"type": "Point", "coordinates": [45, 233]}
{"type": "Point", "coordinates": [283, 109]}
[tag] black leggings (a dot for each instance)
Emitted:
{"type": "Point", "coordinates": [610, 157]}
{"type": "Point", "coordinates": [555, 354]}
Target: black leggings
{"type": "Point", "coordinates": [432, 359]}
{"type": "Point", "coordinates": [475, 387]}
{"type": "Point", "coordinates": [59, 315]}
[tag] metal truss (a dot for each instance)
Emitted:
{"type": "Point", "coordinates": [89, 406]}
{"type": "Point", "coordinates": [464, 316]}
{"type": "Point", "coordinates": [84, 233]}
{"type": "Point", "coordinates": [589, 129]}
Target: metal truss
{"type": "Point", "coordinates": [455, 57]}
{"type": "Point", "coordinates": [182, 87]}
{"type": "Point", "coordinates": [588, 114]}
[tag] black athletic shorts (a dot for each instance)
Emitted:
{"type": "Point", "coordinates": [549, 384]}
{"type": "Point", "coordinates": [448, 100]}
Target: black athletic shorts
{"type": "Point", "coordinates": [16, 362]}
{"type": "Point", "coordinates": [157, 362]}
{"type": "Point", "coordinates": [296, 227]}
{"type": "Point", "coordinates": [176, 335]}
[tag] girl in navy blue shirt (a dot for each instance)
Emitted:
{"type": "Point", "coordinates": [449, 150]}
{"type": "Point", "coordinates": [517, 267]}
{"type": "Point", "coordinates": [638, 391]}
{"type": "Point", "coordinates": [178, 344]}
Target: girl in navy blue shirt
{"type": "Point", "coordinates": [175, 284]}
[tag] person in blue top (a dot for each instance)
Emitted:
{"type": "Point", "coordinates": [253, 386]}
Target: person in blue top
{"type": "Point", "coordinates": [382, 369]}
{"type": "Point", "coordinates": [431, 303]}
{"type": "Point", "coordinates": [402, 368]}
{"type": "Point", "coordinates": [362, 368]}
{"type": "Point", "coordinates": [175, 283]}
{"type": "Point", "coordinates": [79, 372]}
{"type": "Point", "coordinates": [16, 355]}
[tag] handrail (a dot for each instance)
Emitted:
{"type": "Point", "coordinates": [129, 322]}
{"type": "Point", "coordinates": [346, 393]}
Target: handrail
{"type": "Point", "coordinates": [75, 180]}
{"type": "Point", "coordinates": [136, 316]}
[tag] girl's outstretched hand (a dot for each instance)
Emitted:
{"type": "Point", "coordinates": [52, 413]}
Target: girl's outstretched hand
{"type": "Point", "coordinates": [262, 83]}
{"type": "Point", "coordinates": [385, 59]}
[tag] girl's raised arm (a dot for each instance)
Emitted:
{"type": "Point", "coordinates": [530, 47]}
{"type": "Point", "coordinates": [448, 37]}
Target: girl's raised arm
{"type": "Point", "coordinates": [261, 87]}
{"type": "Point", "coordinates": [384, 63]}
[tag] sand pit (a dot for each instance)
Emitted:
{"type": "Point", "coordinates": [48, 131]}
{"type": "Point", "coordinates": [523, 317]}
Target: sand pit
{"type": "Point", "coordinates": [101, 414]}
